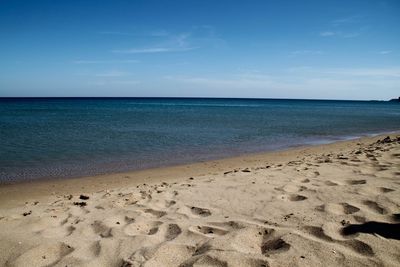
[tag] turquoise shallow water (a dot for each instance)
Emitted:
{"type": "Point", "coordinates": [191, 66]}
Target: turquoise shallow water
{"type": "Point", "coordinates": [56, 138]}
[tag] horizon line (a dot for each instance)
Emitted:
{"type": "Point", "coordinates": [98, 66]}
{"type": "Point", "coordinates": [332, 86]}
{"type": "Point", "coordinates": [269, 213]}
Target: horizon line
{"type": "Point", "coordinates": [173, 97]}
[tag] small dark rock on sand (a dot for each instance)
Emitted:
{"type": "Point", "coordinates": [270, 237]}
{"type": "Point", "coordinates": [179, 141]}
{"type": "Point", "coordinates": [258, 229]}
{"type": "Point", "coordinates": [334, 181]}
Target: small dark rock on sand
{"type": "Point", "coordinates": [388, 140]}
{"type": "Point", "coordinates": [81, 204]}
{"type": "Point", "coordinates": [286, 217]}
{"type": "Point", "coordinates": [385, 140]}
{"type": "Point", "coordinates": [27, 213]}
{"type": "Point", "coordinates": [83, 197]}
{"type": "Point", "coordinates": [344, 222]}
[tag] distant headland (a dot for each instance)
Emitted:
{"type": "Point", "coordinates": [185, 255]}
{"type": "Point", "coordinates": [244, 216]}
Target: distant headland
{"type": "Point", "coordinates": [395, 100]}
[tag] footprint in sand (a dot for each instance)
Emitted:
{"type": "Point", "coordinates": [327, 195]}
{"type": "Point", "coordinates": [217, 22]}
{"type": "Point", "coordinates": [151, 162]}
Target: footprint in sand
{"type": "Point", "coordinates": [231, 225]}
{"type": "Point", "coordinates": [254, 239]}
{"type": "Point", "coordinates": [340, 208]}
{"type": "Point", "coordinates": [245, 245]}
{"type": "Point", "coordinates": [167, 254]}
{"type": "Point", "coordinates": [276, 245]}
{"type": "Point", "coordinates": [208, 230]}
{"type": "Point", "coordinates": [356, 245]}
{"type": "Point", "coordinates": [349, 209]}
{"type": "Point", "coordinates": [330, 183]}
{"type": "Point", "coordinates": [319, 233]}
{"type": "Point", "coordinates": [360, 219]}
{"type": "Point", "coordinates": [142, 228]}
{"type": "Point", "coordinates": [95, 248]}
{"type": "Point", "coordinates": [101, 229]}
{"type": "Point", "coordinates": [57, 232]}
{"type": "Point", "coordinates": [173, 231]}
{"type": "Point", "coordinates": [291, 188]}
{"type": "Point", "coordinates": [43, 255]}
{"type": "Point", "coordinates": [375, 207]}
{"type": "Point", "coordinates": [385, 189]}
{"type": "Point", "coordinates": [382, 167]}
{"type": "Point", "coordinates": [359, 247]}
{"type": "Point", "coordinates": [294, 197]}
{"type": "Point", "coordinates": [206, 260]}
{"type": "Point", "coordinates": [169, 203]}
{"type": "Point", "coordinates": [156, 213]}
{"type": "Point", "coordinates": [396, 155]}
{"type": "Point", "coordinates": [356, 182]}
{"type": "Point", "coordinates": [200, 211]}
{"type": "Point", "coordinates": [70, 230]}
{"type": "Point", "coordinates": [129, 219]}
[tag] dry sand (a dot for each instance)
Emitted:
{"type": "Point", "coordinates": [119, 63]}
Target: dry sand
{"type": "Point", "coordinates": [327, 205]}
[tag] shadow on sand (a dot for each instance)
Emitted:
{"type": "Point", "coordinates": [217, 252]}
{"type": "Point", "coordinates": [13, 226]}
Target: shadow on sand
{"type": "Point", "coordinates": [387, 230]}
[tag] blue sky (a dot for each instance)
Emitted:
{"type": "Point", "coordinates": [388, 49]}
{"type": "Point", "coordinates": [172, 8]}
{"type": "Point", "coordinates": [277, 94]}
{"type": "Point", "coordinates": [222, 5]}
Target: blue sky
{"type": "Point", "coordinates": [271, 49]}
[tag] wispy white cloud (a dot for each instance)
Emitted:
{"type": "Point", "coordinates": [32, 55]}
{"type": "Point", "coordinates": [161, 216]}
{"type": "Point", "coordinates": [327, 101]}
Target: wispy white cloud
{"type": "Point", "coordinates": [340, 34]}
{"type": "Point", "coordinates": [112, 73]}
{"type": "Point", "coordinates": [306, 52]}
{"type": "Point", "coordinates": [125, 61]}
{"type": "Point", "coordinates": [176, 43]}
{"type": "Point", "coordinates": [350, 34]}
{"type": "Point", "coordinates": [114, 82]}
{"type": "Point", "coordinates": [392, 72]}
{"type": "Point", "coordinates": [116, 33]}
{"type": "Point", "coordinates": [327, 33]}
{"type": "Point", "coordinates": [150, 50]}
{"type": "Point", "coordinates": [162, 41]}
{"type": "Point", "coordinates": [346, 20]}
{"type": "Point", "coordinates": [159, 33]}
{"type": "Point", "coordinates": [385, 52]}
{"type": "Point", "coordinates": [155, 33]}
{"type": "Point", "coordinates": [206, 35]}
{"type": "Point", "coordinates": [301, 82]}
{"type": "Point", "coordinates": [126, 82]}
{"type": "Point", "coordinates": [377, 72]}
{"type": "Point", "coordinates": [235, 82]}
{"type": "Point", "coordinates": [340, 27]}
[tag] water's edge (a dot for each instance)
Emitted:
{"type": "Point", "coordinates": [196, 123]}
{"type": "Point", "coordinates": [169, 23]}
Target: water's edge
{"type": "Point", "coordinates": [211, 159]}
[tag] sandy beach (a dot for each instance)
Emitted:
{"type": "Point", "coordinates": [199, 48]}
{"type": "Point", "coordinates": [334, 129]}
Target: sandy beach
{"type": "Point", "coordinates": [327, 205]}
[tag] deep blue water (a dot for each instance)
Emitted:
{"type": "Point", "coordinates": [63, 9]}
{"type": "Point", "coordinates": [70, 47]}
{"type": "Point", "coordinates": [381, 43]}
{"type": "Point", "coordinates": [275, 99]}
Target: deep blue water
{"type": "Point", "coordinates": [48, 138]}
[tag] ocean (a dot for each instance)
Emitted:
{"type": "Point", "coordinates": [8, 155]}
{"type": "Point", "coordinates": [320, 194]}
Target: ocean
{"type": "Point", "coordinates": [60, 138]}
